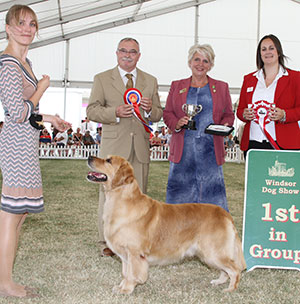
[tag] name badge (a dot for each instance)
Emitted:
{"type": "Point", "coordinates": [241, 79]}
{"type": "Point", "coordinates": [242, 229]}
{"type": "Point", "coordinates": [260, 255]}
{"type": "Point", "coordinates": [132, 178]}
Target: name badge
{"type": "Point", "coordinates": [250, 89]}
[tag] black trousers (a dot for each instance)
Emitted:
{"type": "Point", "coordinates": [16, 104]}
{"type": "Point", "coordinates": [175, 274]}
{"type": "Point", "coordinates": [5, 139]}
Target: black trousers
{"type": "Point", "coordinates": [253, 144]}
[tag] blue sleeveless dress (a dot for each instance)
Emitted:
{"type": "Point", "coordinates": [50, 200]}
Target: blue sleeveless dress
{"type": "Point", "coordinates": [197, 178]}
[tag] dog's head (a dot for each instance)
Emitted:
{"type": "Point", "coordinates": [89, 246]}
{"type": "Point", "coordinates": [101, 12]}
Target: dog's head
{"type": "Point", "coordinates": [114, 171]}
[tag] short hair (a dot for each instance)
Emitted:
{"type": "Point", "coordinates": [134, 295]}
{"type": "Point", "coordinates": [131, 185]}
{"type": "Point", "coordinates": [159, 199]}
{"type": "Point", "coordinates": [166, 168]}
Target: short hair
{"type": "Point", "coordinates": [16, 11]}
{"type": "Point", "coordinates": [204, 49]}
{"type": "Point", "coordinates": [281, 57]}
{"type": "Point", "coordinates": [129, 39]}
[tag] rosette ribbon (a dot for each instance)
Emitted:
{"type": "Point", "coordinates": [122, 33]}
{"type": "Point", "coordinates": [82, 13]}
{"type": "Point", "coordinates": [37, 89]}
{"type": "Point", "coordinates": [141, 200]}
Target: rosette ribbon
{"type": "Point", "coordinates": [133, 97]}
{"type": "Point", "coordinates": [262, 110]}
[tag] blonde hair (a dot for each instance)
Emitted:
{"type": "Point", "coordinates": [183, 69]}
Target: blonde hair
{"type": "Point", "coordinates": [204, 49]}
{"type": "Point", "coordinates": [16, 12]}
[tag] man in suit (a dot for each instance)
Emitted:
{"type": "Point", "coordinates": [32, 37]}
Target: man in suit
{"type": "Point", "coordinates": [122, 133]}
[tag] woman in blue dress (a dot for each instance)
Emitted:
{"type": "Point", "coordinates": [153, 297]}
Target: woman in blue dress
{"type": "Point", "coordinates": [196, 158]}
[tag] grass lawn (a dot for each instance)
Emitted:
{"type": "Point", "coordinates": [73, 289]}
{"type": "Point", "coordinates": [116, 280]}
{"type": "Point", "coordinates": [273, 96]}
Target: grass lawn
{"type": "Point", "coordinates": [59, 252]}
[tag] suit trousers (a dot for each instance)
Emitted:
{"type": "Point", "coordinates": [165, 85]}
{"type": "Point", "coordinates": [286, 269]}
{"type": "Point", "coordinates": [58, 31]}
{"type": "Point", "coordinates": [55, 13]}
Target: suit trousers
{"type": "Point", "coordinates": [141, 171]}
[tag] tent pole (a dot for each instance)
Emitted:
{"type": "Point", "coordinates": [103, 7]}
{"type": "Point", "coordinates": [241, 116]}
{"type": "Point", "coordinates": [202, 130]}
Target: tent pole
{"type": "Point", "coordinates": [66, 77]}
{"type": "Point", "coordinates": [258, 20]}
{"type": "Point", "coordinates": [196, 24]}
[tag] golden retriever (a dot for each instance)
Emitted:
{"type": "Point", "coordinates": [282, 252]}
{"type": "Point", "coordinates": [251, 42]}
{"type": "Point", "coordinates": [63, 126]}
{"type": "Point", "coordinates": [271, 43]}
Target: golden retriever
{"type": "Point", "coordinates": [143, 231]}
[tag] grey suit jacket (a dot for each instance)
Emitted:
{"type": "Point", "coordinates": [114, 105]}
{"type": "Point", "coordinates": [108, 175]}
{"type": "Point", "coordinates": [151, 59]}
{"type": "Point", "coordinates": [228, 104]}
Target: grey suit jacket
{"type": "Point", "coordinates": [118, 137]}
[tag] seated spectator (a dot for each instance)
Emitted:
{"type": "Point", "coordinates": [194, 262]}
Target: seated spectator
{"type": "Point", "coordinates": [98, 136]}
{"type": "Point", "coordinates": [228, 141]}
{"type": "Point", "coordinates": [156, 141]}
{"type": "Point", "coordinates": [150, 138]}
{"type": "Point", "coordinates": [88, 139]}
{"type": "Point", "coordinates": [163, 135]}
{"type": "Point", "coordinates": [61, 139]}
{"type": "Point", "coordinates": [77, 138]}
{"type": "Point", "coordinates": [45, 137]}
{"type": "Point", "coordinates": [70, 137]}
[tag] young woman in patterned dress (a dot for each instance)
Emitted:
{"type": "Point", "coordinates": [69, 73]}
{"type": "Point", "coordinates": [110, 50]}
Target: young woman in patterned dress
{"type": "Point", "coordinates": [20, 93]}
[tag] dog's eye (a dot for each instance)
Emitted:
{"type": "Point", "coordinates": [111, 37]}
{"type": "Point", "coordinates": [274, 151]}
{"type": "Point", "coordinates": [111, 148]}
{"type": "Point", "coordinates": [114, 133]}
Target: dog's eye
{"type": "Point", "coordinates": [108, 160]}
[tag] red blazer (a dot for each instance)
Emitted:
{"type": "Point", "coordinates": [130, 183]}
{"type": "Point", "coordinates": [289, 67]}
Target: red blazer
{"type": "Point", "coordinates": [222, 113]}
{"type": "Point", "coordinates": [287, 97]}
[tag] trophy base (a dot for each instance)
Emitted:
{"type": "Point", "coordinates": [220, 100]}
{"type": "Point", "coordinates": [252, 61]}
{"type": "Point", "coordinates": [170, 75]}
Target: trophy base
{"type": "Point", "coordinates": [191, 125]}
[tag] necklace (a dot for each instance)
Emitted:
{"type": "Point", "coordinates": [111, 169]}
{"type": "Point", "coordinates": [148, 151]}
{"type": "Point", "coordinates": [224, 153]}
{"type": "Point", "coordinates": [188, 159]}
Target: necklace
{"type": "Point", "coordinates": [194, 85]}
{"type": "Point", "coordinates": [199, 84]}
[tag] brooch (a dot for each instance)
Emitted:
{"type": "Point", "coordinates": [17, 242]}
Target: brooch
{"type": "Point", "coordinates": [182, 91]}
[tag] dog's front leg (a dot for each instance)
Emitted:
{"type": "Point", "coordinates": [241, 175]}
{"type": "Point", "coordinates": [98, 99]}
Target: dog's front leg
{"type": "Point", "coordinates": [135, 271]}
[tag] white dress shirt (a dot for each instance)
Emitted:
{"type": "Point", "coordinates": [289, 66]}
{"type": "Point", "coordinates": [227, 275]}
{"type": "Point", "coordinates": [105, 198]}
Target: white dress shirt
{"type": "Point", "coordinates": [262, 92]}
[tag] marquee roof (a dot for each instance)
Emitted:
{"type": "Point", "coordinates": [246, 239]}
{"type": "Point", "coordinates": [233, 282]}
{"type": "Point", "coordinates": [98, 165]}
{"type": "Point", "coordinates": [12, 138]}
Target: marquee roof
{"type": "Point", "coordinates": [78, 38]}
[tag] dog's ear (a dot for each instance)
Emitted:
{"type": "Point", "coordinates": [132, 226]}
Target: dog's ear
{"type": "Point", "coordinates": [123, 176]}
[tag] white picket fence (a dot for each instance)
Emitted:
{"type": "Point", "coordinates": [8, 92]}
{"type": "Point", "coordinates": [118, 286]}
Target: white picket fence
{"type": "Point", "coordinates": [69, 152]}
{"type": "Point", "coordinates": [234, 155]}
{"type": "Point", "coordinates": [82, 152]}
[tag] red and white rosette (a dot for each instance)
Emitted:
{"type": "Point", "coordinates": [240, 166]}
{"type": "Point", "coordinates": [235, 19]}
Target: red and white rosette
{"type": "Point", "coordinates": [262, 110]}
{"type": "Point", "coordinates": [133, 97]}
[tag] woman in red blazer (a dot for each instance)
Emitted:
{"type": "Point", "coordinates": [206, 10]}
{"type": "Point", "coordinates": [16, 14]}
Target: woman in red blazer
{"type": "Point", "coordinates": [196, 158]}
{"type": "Point", "coordinates": [270, 101]}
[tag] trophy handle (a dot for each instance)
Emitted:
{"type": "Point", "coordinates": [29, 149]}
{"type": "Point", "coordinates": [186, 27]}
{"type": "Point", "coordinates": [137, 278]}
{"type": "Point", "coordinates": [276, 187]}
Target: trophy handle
{"type": "Point", "coordinates": [199, 109]}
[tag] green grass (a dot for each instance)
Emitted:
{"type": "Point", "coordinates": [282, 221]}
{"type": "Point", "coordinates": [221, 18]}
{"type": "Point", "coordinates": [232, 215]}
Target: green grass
{"type": "Point", "coordinates": [59, 251]}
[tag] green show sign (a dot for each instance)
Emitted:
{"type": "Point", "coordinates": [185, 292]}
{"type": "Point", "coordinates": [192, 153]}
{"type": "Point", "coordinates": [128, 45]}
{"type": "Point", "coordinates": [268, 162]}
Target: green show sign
{"type": "Point", "coordinates": [271, 228]}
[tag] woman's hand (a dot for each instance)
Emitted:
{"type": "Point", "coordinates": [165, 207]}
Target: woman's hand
{"type": "Point", "coordinates": [248, 114]}
{"type": "Point", "coordinates": [42, 86]}
{"type": "Point", "coordinates": [181, 122]}
{"type": "Point", "coordinates": [58, 123]}
{"type": "Point", "coordinates": [43, 83]}
{"type": "Point", "coordinates": [277, 114]}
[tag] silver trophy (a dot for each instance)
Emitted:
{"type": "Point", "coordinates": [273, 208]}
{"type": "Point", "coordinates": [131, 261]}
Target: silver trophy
{"type": "Point", "coordinates": [191, 110]}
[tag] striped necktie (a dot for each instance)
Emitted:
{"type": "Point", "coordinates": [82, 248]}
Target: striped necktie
{"type": "Point", "coordinates": [129, 83]}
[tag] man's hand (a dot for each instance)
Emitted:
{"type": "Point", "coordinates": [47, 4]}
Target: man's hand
{"type": "Point", "coordinates": [146, 104]}
{"type": "Point", "coordinates": [124, 110]}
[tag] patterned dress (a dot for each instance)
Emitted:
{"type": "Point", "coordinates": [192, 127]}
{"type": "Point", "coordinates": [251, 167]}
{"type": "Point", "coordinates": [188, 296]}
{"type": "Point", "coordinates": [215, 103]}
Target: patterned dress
{"type": "Point", "coordinates": [19, 161]}
{"type": "Point", "coordinates": [197, 178]}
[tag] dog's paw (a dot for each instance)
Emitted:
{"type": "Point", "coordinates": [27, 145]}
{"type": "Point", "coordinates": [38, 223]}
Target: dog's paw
{"type": "Point", "coordinates": [116, 289]}
{"type": "Point", "coordinates": [221, 280]}
{"type": "Point", "coordinates": [229, 289]}
{"type": "Point", "coordinates": [217, 282]}
{"type": "Point", "coordinates": [121, 290]}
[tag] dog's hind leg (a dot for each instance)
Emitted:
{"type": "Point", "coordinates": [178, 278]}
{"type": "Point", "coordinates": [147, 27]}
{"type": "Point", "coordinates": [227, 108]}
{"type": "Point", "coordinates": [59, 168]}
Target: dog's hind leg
{"type": "Point", "coordinates": [221, 280]}
{"type": "Point", "coordinates": [229, 269]}
{"type": "Point", "coordinates": [234, 275]}
{"type": "Point", "coordinates": [232, 270]}
{"type": "Point", "coordinates": [135, 271]}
